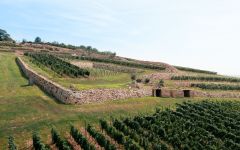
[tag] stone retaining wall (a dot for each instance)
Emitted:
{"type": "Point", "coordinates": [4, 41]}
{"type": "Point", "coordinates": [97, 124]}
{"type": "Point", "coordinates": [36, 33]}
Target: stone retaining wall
{"type": "Point", "coordinates": [100, 95]}
{"type": "Point", "coordinates": [62, 94]}
{"type": "Point", "coordinates": [68, 96]}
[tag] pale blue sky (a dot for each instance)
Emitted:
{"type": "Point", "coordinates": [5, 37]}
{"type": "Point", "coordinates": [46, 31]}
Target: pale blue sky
{"type": "Point", "coordinates": [202, 34]}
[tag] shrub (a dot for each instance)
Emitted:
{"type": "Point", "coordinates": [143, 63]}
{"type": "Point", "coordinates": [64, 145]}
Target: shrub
{"type": "Point", "coordinates": [146, 81]}
{"type": "Point", "coordinates": [161, 83]}
{"type": "Point", "coordinates": [11, 144]}
{"type": "Point", "coordinates": [139, 80]}
{"type": "Point", "coordinates": [133, 77]}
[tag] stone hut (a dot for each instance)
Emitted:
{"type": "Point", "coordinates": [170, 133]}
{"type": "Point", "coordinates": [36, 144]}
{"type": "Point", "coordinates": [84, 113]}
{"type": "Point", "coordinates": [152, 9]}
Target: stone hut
{"type": "Point", "coordinates": [175, 93]}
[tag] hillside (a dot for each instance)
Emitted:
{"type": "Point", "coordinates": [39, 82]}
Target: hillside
{"type": "Point", "coordinates": [45, 86]}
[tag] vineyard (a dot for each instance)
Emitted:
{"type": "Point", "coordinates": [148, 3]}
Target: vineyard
{"type": "Point", "coordinates": [122, 63]}
{"type": "Point", "coordinates": [206, 78]}
{"type": "Point", "coordinates": [203, 125]}
{"type": "Point", "coordinates": [58, 65]}
{"type": "Point", "coordinates": [195, 70]}
{"type": "Point", "coordinates": [216, 86]}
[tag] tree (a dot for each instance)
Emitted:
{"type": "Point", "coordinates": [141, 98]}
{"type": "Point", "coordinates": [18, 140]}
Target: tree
{"type": "Point", "coordinates": [38, 40]}
{"type": "Point", "coordinates": [4, 36]}
{"type": "Point", "coordinates": [24, 41]}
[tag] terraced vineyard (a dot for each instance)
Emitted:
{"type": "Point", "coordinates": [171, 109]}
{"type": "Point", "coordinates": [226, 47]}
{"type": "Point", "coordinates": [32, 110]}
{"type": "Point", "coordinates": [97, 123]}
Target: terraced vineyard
{"type": "Point", "coordinates": [26, 108]}
{"type": "Point", "coordinates": [216, 86]}
{"type": "Point", "coordinates": [41, 123]}
{"type": "Point", "coordinates": [58, 65]}
{"type": "Point", "coordinates": [204, 125]}
{"type": "Point", "coordinates": [123, 63]}
{"type": "Point", "coordinates": [207, 78]}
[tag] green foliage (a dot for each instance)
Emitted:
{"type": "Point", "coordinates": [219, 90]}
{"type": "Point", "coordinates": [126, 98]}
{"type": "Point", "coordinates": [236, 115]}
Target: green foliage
{"type": "Point", "coordinates": [58, 65]}
{"type": "Point", "coordinates": [80, 139]}
{"type": "Point", "coordinates": [133, 77]}
{"type": "Point", "coordinates": [38, 40]}
{"type": "Point", "coordinates": [4, 36]}
{"type": "Point", "coordinates": [86, 48]}
{"type": "Point", "coordinates": [24, 41]}
{"type": "Point", "coordinates": [194, 70]}
{"type": "Point", "coordinates": [119, 62]}
{"type": "Point", "coordinates": [206, 78]}
{"type": "Point", "coordinates": [146, 81]}
{"type": "Point", "coordinates": [139, 80]}
{"type": "Point", "coordinates": [37, 143]}
{"type": "Point", "coordinates": [204, 125]}
{"type": "Point", "coordinates": [161, 83]}
{"type": "Point", "coordinates": [62, 144]}
{"type": "Point", "coordinates": [100, 138]}
{"type": "Point", "coordinates": [128, 143]}
{"type": "Point", "coordinates": [132, 134]}
{"type": "Point", "coordinates": [11, 144]}
{"type": "Point", "coordinates": [216, 86]}
{"type": "Point", "coordinates": [112, 132]}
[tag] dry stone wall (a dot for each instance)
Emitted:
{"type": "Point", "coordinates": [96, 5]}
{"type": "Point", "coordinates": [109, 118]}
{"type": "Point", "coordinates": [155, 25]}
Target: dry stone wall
{"type": "Point", "coordinates": [68, 96]}
{"type": "Point", "coordinates": [62, 94]}
{"type": "Point", "coordinates": [100, 95]}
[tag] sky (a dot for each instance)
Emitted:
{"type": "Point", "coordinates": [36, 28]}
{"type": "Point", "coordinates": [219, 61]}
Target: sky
{"type": "Point", "coordinates": [202, 34]}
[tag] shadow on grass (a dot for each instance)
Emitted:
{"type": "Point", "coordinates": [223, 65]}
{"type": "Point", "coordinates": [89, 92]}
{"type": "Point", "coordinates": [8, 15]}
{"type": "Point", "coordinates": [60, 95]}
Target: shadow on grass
{"type": "Point", "coordinates": [26, 85]}
{"type": "Point", "coordinates": [42, 89]}
{"type": "Point", "coordinates": [20, 69]}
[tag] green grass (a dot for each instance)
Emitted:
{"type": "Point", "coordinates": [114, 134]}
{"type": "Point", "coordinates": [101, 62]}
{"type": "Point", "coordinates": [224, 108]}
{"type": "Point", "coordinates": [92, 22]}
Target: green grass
{"type": "Point", "coordinates": [26, 108]}
{"type": "Point", "coordinates": [99, 78]}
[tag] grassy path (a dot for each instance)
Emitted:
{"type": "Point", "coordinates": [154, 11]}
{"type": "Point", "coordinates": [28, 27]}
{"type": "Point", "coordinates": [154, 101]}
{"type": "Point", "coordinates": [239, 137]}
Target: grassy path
{"type": "Point", "coordinates": [26, 108]}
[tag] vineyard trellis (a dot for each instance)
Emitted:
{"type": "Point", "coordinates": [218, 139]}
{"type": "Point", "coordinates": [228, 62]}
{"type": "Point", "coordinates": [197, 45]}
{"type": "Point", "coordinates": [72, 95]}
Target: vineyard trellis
{"type": "Point", "coordinates": [123, 63]}
{"type": "Point", "coordinates": [80, 139]}
{"type": "Point", "coordinates": [216, 86]}
{"type": "Point", "coordinates": [201, 125]}
{"type": "Point", "coordinates": [194, 70]}
{"type": "Point", "coordinates": [100, 138]}
{"type": "Point", "coordinates": [61, 143]}
{"type": "Point", "coordinates": [37, 143]}
{"type": "Point", "coordinates": [57, 65]}
{"type": "Point", "coordinates": [206, 78]}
